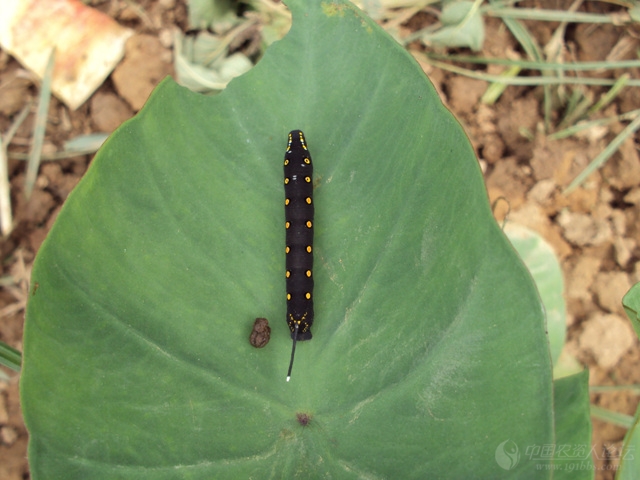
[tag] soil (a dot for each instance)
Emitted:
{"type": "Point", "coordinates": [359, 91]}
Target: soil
{"type": "Point", "coordinates": [594, 230]}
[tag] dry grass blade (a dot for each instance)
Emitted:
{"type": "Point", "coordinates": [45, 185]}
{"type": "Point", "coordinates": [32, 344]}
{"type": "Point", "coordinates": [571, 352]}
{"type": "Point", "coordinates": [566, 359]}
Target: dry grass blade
{"type": "Point", "coordinates": [17, 285]}
{"type": "Point", "coordinates": [597, 162]}
{"type": "Point", "coordinates": [496, 89]}
{"type": "Point", "coordinates": [607, 98]}
{"type": "Point", "coordinates": [540, 65]}
{"type": "Point", "coordinates": [40, 126]}
{"type": "Point", "coordinates": [6, 219]}
{"type": "Point", "coordinates": [557, 15]}
{"type": "Point", "coordinates": [620, 419]}
{"type": "Point", "coordinates": [529, 81]}
{"type": "Point", "coordinates": [582, 126]}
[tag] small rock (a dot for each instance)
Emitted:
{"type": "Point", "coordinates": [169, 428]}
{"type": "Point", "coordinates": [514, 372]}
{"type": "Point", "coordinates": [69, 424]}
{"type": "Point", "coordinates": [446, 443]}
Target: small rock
{"type": "Point", "coordinates": [607, 337]}
{"type": "Point", "coordinates": [166, 37]}
{"type": "Point", "coordinates": [108, 111]}
{"type": "Point", "coordinates": [465, 93]}
{"type": "Point", "coordinates": [619, 222]}
{"type": "Point", "coordinates": [623, 250]}
{"type": "Point", "coordinates": [609, 288]}
{"type": "Point", "coordinates": [623, 170]}
{"type": "Point", "coordinates": [581, 229]}
{"type": "Point", "coordinates": [8, 435]}
{"type": "Point", "coordinates": [486, 118]}
{"type": "Point", "coordinates": [520, 114]}
{"type": "Point", "coordinates": [581, 277]}
{"type": "Point", "coordinates": [584, 198]}
{"type": "Point", "coordinates": [142, 69]}
{"type": "Point", "coordinates": [633, 196]}
{"type": "Point", "coordinates": [533, 216]}
{"type": "Point", "coordinates": [561, 160]}
{"type": "Point", "coordinates": [509, 177]}
{"type": "Point", "coordinates": [542, 192]}
{"type": "Point", "coordinates": [493, 148]}
{"type": "Point", "coordinates": [15, 93]}
{"type": "Point", "coordinates": [57, 181]}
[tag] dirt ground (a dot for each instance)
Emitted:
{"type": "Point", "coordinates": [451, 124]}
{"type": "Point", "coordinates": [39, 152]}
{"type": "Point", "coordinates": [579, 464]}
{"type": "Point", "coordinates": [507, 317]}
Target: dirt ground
{"type": "Point", "coordinates": [594, 230]}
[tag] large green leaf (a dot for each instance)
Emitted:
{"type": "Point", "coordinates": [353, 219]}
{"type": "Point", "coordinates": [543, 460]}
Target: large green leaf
{"type": "Point", "coordinates": [429, 348]}
{"type": "Point", "coordinates": [572, 447]}
{"type": "Point", "coordinates": [629, 462]}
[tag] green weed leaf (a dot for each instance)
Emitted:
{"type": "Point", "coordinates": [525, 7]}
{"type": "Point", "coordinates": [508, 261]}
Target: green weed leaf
{"type": "Point", "coordinates": [462, 26]}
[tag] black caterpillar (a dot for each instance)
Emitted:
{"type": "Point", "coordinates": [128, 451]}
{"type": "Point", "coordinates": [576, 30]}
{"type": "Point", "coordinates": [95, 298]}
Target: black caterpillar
{"type": "Point", "coordinates": [298, 210]}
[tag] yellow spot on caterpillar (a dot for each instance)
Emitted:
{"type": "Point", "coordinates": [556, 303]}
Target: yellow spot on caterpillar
{"type": "Point", "coordinates": [287, 224]}
{"type": "Point", "coordinates": [287, 250]}
{"type": "Point", "coordinates": [286, 160]}
{"type": "Point", "coordinates": [286, 180]}
{"type": "Point", "coordinates": [288, 274]}
{"type": "Point", "coordinates": [308, 200]}
{"type": "Point", "coordinates": [308, 296]}
{"type": "Point", "coordinates": [308, 249]}
{"type": "Point", "coordinates": [286, 201]}
{"type": "Point", "coordinates": [293, 321]}
{"type": "Point", "coordinates": [309, 224]}
{"type": "Point", "coordinates": [288, 296]}
{"type": "Point", "coordinates": [308, 273]}
{"type": "Point", "coordinates": [307, 179]}
{"type": "Point", "coordinates": [306, 160]}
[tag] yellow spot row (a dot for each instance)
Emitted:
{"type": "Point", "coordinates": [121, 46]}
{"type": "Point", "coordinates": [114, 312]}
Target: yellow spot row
{"type": "Point", "coordinates": [306, 295]}
{"type": "Point", "coordinates": [308, 273]}
{"type": "Point", "coordinates": [288, 224]}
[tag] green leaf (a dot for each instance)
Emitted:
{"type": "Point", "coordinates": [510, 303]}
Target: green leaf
{"type": "Point", "coordinates": [202, 64]}
{"type": "Point", "coordinates": [429, 347]}
{"type": "Point", "coordinates": [629, 466]}
{"type": "Point", "coordinates": [631, 304]}
{"type": "Point", "coordinates": [572, 448]}
{"type": "Point", "coordinates": [462, 26]}
{"type": "Point", "coordinates": [215, 14]}
{"type": "Point", "coordinates": [10, 357]}
{"type": "Point", "coordinates": [543, 265]}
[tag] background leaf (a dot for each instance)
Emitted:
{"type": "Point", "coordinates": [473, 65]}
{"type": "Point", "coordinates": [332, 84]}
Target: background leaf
{"type": "Point", "coordinates": [196, 70]}
{"type": "Point", "coordinates": [429, 347]}
{"type": "Point", "coordinates": [629, 466]}
{"type": "Point", "coordinates": [463, 26]}
{"type": "Point", "coordinates": [214, 14]}
{"type": "Point", "coordinates": [631, 304]}
{"type": "Point", "coordinates": [544, 267]}
{"type": "Point", "coordinates": [629, 458]}
{"type": "Point", "coordinates": [572, 447]}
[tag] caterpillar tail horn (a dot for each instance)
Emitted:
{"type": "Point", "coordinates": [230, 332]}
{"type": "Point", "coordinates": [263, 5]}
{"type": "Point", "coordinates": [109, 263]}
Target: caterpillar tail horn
{"type": "Point", "coordinates": [293, 351]}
